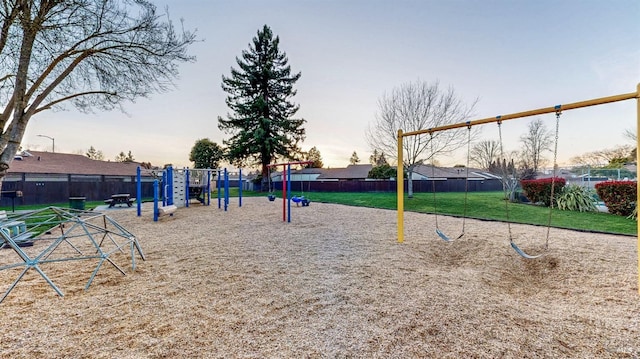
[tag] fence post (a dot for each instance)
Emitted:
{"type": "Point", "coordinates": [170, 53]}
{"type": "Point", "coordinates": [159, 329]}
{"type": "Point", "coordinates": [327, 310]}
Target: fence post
{"type": "Point", "coordinates": [139, 191]}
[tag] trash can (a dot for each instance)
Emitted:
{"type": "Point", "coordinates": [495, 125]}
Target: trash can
{"type": "Point", "coordinates": [77, 202]}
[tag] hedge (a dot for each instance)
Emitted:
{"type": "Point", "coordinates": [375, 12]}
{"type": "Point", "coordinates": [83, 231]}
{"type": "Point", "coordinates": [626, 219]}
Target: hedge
{"type": "Point", "coordinates": [539, 190]}
{"type": "Point", "coordinates": [618, 196]}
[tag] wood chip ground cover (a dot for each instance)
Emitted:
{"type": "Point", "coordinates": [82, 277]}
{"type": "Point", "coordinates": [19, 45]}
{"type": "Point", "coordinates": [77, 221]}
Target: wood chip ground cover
{"type": "Point", "coordinates": [332, 284]}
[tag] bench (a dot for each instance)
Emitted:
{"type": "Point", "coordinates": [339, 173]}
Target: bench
{"type": "Point", "coordinates": [167, 210]}
{"type": "Point", "coordinates": [116, 199]}
{"type": "Point", "coordinates": [14, 227]}
{"type": "Point", "coordinates": [22, 239]}
{"type": "Point", "coordinates": [108, 201]}
{"type": "Point", "coordinates": [197, 192]}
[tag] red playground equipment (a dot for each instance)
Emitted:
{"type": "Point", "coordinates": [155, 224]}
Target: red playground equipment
{"type": "Point", "coordinates": [286, 187]}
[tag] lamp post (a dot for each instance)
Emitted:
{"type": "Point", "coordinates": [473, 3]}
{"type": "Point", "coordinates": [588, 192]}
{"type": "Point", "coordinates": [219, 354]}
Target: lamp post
{"type": "Point", "coordinates": [53, 140]}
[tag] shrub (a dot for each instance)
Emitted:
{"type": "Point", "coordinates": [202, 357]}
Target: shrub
{"type": "Point", "coordinates": [618, 196]}
{"type": "Point", "coordinates": [383, 172]}
{"type": "Point", "coordinates": [539, 190]}
{"type": "Point", "coordinates": [634, 214]}
{"type": "Point", "coordinates": [576, 198]}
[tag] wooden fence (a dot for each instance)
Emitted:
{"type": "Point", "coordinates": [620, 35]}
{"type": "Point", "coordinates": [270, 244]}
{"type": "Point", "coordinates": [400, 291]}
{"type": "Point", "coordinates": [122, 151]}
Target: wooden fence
{"type": "Point", "coordinates": [57, 188]}
{"type": "Point", "coordinates": [52, 189]}
{"type": "Point", "coordinates": [450, 185]}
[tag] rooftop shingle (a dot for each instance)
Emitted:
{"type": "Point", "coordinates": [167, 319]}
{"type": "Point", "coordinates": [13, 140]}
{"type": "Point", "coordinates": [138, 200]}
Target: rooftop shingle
{"type": "Point", "coordinates": [65, 163]}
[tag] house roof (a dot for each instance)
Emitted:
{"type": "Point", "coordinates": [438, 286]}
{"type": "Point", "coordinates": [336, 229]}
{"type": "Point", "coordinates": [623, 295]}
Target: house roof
{"type": "Point", "coordinates": [351, 172]}
{"type": "Point", "coordinates": [310, 171]}
{"type": "Point", "coordinates": [66, 163]}
{"type": "Point", "coordinates": [453, 172]}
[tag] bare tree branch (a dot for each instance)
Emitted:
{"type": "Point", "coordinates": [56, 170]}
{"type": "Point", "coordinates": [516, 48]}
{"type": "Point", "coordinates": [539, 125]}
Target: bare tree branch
{"type": "Point", "coordinates": [418, 106]}
{"type": "Point", "coordinates": [631, 135]}
{"type": "Point", "coordinates": [601, 158]}
{"type": "Point", "coordinates": [484, 153]}
{"type": "Point", "coordinates": [51, 104]}
{"type": "Point", "coordinates": [535, 142]}
{"type": "Point", "coordinates": [92, 54]}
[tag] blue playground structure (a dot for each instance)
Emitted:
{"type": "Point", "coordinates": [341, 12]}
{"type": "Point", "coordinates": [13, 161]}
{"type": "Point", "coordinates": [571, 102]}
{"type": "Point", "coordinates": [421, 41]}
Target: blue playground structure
{"type": "Point", "coordinates": [179, 187]}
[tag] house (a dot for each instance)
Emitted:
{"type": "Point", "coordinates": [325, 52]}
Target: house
{"type": "Point", "coordinates": [305, 174]}
{"type": "Point", "coordinates": [47, 177]}
{"type": "Point", "coordinates": [353, 178]}
{"type": "Point", "coordinates": [350, 173]}
{"type": "Point", "coordinates": [49, 163]}
{"type": "Point", "coordinates": [429, 172]}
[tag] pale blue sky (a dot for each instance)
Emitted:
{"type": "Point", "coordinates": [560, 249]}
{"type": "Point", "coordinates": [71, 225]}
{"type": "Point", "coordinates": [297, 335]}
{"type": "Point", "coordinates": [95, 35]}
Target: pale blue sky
{"type": "Point", "coordinates": [511, 55]}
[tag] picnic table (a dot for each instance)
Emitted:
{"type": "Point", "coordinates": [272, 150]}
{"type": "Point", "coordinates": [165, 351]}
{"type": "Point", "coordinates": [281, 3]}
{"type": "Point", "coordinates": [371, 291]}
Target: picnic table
{"type": "Point", "coordinates": [121, 198]}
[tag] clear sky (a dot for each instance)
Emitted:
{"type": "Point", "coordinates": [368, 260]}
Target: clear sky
{"type": "Point", "coordinates": [513, 55]}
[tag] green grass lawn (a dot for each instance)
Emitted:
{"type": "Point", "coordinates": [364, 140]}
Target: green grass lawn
{"type": "Point", "coordinates": [483, 205]}
{"type": "Point", "coordinates": [480, 205]}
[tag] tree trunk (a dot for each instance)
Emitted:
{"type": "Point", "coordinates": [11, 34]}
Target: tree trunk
{"type": "Point", "coordinates": [410, 182]}
{"type": "Point", "coordinates": [264, 184]}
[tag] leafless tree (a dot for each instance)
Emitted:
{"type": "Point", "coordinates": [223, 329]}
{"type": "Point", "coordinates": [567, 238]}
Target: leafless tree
{"type": "Point", "coordinates": [601, 158]}
{"type": "Point", "coordinates": [91, 54]}
{"type": "Point", "coordinates": [418, 106]}
{"type": "Point", "coordinates": [631, 135]}
{"type": "Point", "coordinates": [535, 142]}
{"type": "Point", "coordinates": [484, 153]}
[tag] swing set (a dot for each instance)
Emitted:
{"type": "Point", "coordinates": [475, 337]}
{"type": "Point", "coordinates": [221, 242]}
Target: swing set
{"type": "Point", "coordinates": [499, 120]}
{"type": "Point", "coordinates": [466, 189]}
{"type": "Point", "coordinates": [286, 188]}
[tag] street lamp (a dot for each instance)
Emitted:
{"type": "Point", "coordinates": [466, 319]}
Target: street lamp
{"type": "Point", "coordinates": [53, 140]}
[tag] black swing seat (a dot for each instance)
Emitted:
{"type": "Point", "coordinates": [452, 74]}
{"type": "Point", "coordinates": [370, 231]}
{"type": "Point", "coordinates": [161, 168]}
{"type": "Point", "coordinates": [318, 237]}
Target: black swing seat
{"type": "Point", "coordinates": [446, 238]}
{"type": "Point", "coordinates": [272, 197]}
{"type": "Point", "coordinates": [522, 253]}
{"type": "Point", "coordinates": [443, 236]}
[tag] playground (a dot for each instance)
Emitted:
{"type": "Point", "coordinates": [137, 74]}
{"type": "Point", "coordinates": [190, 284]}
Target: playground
{"type": "Point", "coordinates": [333, 283]}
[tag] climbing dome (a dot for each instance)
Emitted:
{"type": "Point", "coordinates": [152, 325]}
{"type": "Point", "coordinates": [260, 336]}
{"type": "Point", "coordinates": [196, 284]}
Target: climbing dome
{"type": "Point", "coordinates": [39, 239]}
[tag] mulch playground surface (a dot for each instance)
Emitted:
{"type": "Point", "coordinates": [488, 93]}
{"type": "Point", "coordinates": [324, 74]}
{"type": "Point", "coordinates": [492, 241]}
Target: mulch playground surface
{"type": "Point", "coordinates": [333, 283]}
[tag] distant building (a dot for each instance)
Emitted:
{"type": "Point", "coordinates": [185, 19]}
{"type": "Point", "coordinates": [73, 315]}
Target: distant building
{"type": "Point", "coordinates": [47, 177]}
{"type": "Point", "coordinates": [353, 178]}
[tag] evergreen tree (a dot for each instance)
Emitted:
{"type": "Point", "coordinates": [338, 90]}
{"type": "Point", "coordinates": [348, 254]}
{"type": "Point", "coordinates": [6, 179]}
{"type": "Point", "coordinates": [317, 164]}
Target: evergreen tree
{"type": "Point", "coordinates": [314, 155]}
{"type": "Point", "coordinates": [129, 157]}
{"type": "Point", "coordinates": [95, 154]}
{"type": "Point", "coordinates": [206, 154]}
{"type": "Point", "coordinates": [120, 157]}
{"type": "Point", "coordinates": [378, 158]}
{"type": "Point", "coordinates": [382, 172]}
{"type": "Point", "coordinates": [260, 121]}
{"type": "Point", "coordinates": [354, 158]}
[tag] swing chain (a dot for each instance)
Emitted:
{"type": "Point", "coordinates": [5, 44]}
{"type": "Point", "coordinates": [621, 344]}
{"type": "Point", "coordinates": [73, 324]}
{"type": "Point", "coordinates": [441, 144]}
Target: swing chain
{"type": "Point", "coordinates": [555, 156]}
{"type": "Point", "coordinates": [466, 182]}
{"type": "Point", "coordinates": [504, 178]}
{"type": "Point", "coordinates": [553, 179]}
{"type": "Point", "coordinates": [433, 180]}
{"type": "Point", "coordinates": [555, 150]}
